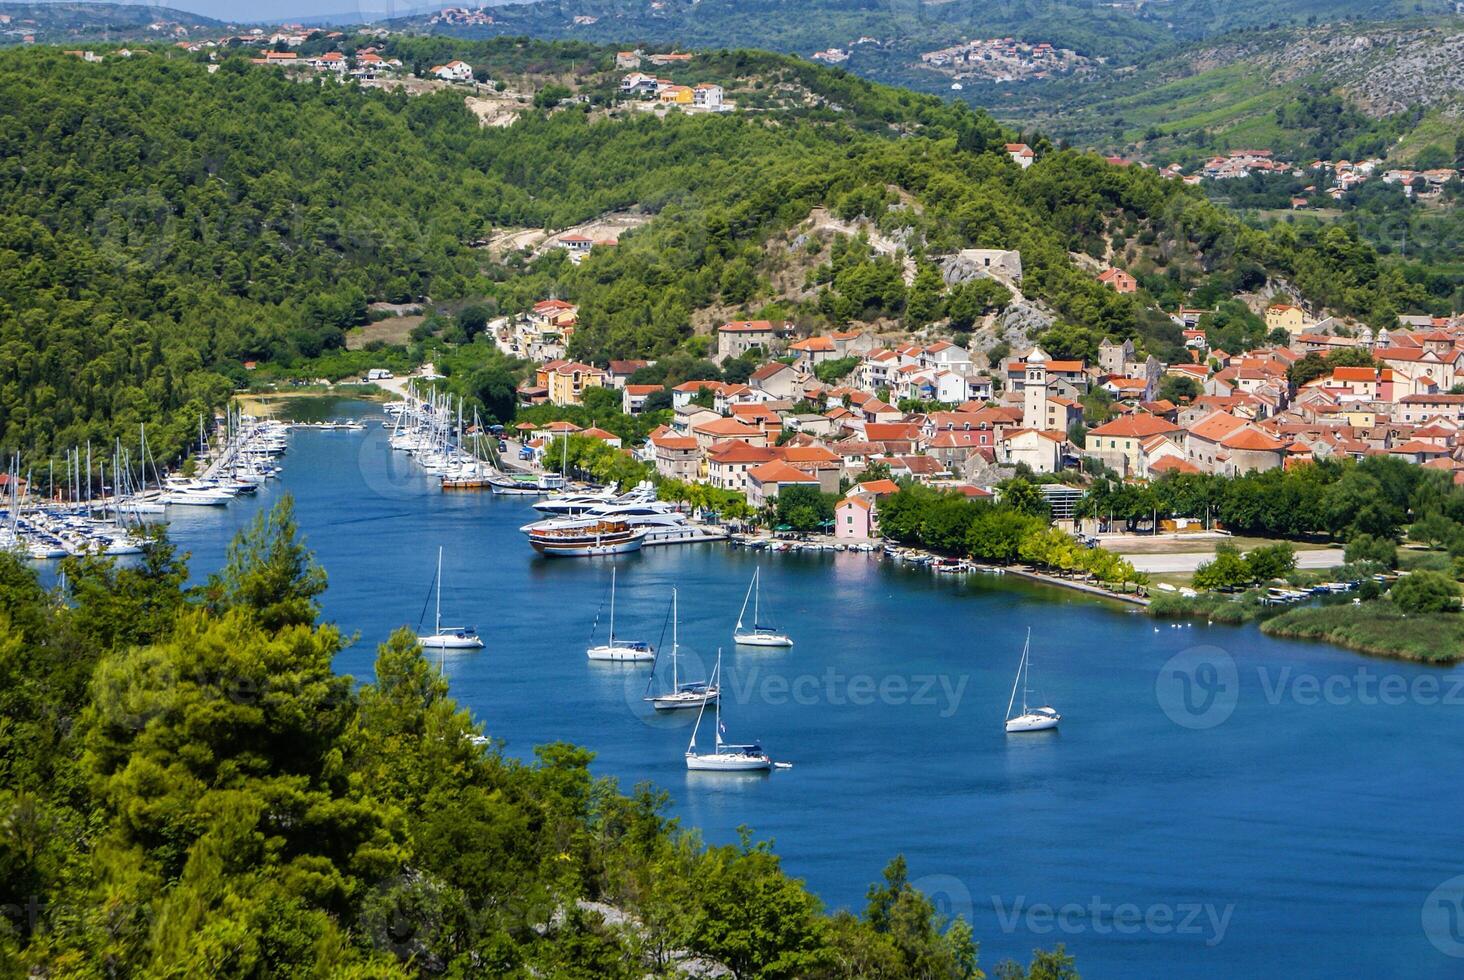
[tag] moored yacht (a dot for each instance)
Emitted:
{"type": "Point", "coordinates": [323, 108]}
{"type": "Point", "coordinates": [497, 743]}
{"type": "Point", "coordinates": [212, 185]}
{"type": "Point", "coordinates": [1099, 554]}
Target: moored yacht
{"type": "Point", "coordinates": [616, 650]}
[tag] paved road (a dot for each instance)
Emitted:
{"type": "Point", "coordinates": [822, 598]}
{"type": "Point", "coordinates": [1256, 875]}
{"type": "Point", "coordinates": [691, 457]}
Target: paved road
{"type": "Point", "coordinates": [1188, 561]}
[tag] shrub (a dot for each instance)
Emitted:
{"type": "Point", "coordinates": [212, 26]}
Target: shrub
{"type": "Point", "coordinates": [1423, 592]}
{"type": "Point", "coordinates": [1366, 547]}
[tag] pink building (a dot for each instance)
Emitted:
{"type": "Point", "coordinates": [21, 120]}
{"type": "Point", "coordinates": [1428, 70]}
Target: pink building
{"type": "Point", "coordinates": [854, 519]}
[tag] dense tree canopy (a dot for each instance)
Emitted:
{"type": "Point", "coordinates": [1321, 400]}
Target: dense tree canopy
{"type": "Point", "coordinates": [189, 789]}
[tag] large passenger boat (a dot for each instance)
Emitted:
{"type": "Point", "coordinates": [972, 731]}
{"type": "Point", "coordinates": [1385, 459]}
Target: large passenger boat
{"type": "Point", "coordinates": [586, 539]}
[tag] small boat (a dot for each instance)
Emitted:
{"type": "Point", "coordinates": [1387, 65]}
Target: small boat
{"type": "Point", "coordinates": [527, 487]}
{"type": "Point", "coordinates": [725, 757]}
{"type": "Point", "coordinates": [1031, 719]}
{"type": "Point", "coordinates": [615, 650]}
{"type": "Point", "coordinates": [759, 635]}
{"type": "Point", "coordinates": [693, 694]}
{"type": "Point", "coordinates": [587, 541]}
{"type": "Point", "coordinates": [451, 637]}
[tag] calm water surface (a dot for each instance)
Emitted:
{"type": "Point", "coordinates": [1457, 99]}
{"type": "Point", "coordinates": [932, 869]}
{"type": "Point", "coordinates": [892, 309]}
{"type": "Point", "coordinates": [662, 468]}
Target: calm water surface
{"type": "Point", "coordinates": [1274, 827]}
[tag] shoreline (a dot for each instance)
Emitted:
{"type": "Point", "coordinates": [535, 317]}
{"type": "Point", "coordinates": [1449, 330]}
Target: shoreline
{"type": "Point", "coordinates": [264, 403]}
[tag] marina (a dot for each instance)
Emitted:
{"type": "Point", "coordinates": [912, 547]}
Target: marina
{"type": "Point", "coordinates": [887, 706]}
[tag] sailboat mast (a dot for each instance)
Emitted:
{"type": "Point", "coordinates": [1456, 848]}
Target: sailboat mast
{"type": "Point", "coordinates": [756, 595]}
{"type": "Point", "coordinates": [675, 643]}
{"type": "Point", "coordinates": [612, 607]}
{"type": "Point", "coordinates": [1018, 679]}
{"type": "Point", "coordinates": [717, 717]}
{"type": "Point", "coordinates": [437, 627]}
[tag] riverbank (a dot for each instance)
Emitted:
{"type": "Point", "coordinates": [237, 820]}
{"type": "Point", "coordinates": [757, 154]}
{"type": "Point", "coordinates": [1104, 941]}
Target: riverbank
{"type": "Point", "coordinates": [1377, 628]}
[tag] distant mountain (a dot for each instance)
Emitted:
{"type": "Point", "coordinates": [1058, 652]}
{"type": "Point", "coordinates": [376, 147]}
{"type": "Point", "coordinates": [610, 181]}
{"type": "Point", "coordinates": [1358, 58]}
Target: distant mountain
{"type": "Point", "coordinates": [1347, 90]}
{"type": "Point", "coordinates": [58, 23]}
{"type": "Point", "coordinates": [884, 38]}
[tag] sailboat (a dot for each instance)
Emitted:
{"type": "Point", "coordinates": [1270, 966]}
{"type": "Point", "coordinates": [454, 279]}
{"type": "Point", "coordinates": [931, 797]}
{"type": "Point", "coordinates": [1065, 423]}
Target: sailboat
{"type": "Point", "coordinates": [617, 650]}
{"type": "Point", "coordinates": [759, 635]}
{"type": "Point", "coordinates": [1031, 719]}
{"type": "Point", "coordinates": [726, 756]}
{"type": "Point", "coordinates": [693, 694]}
{"type": "Point", "coordinates": [453, 637]}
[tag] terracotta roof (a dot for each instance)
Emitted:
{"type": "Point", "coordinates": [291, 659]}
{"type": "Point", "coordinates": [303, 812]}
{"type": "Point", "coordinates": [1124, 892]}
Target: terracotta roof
{"type": "Point", "coordinates": [808, 454]}
{"type": "Point", "coordinates": [881, 431]}
{"type": "Point", "coordinates": [1216, 426]}
{"type": "Point", "coordinates": [746, 326]}
{"type": "Point", "coordinates": [768, 370]}
{"type": "Point", "coordinates": [1439, 399]}
{"type": "Point", "coordinates": [877, 487]}
{"type": "Point", "coordinates": [1136, 426]}
{"type": "Point", "coordinates": [738, 451]}
{"type": "Point", "coordinates": [673, 442]}
{"type": "Point", "coordinates": [642, 389]}
{"type": "Point", "coordinates": [726, 427]}
{"type": "Point", "coordinates": [1419, 446]}
{"type": "Point", "coordinates": [1250, 439]}
{"type": "Point", "coordinates": [777, 471]}
{"type": "Point", "coordinates": [1172, 464]}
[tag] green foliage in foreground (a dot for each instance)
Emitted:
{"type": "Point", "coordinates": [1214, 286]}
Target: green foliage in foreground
{"type": "Point", "coordinates": [1378, 627]}
{"type": "Point", "coordinates": [188, 789]}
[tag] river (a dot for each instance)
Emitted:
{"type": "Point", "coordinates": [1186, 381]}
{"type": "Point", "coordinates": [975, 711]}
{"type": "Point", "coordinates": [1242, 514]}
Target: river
{"type": "Point", "coordinates": [1216, 801]}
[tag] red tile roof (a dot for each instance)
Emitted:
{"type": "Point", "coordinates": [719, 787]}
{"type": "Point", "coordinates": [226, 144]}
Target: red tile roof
{"type": "Point", "coordinates": [1139, 425]}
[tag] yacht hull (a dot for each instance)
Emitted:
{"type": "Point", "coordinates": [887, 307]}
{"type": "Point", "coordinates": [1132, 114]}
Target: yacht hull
{"type": "Point", "coordinates": [761, 640]}
{"type": "Point", "coordinates": [621, 655]}
{"type": "Point", "coordinates": [683, 702]}
{"type": "Point", "coordinates": [1033, 723]}
{"type": "Point", "coordinates": [450, 642]}
{"type": "Point", "coordinates": [728, 762]}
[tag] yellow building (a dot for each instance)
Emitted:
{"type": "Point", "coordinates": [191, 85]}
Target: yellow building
{"type": "Point", "coordinates": [567, 381]}
{"type": "Point", "coordinates": [677, 95]}
{"type": "Point", "coordinates": [1283, 316]}
{"type": "Point", "coordinates": [1119, 443]}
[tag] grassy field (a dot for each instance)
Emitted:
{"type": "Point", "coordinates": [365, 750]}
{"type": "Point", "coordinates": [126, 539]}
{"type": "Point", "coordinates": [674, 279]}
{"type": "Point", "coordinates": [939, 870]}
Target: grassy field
{"type": "Point", "coordinates": [395, 331]}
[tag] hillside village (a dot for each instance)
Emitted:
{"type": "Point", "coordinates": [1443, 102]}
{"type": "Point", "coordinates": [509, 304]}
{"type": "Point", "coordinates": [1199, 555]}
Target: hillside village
{"type": "Point", "coordinates": [937, 414]}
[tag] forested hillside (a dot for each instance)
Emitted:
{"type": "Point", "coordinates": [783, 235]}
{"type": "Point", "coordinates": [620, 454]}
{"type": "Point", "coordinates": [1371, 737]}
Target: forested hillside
{"type": "Point", "coordinates": [163, 224]}
{"type": "Point", "coordinates": [898, 31]}
{"type": "Point", "coordinates": [191, 791]}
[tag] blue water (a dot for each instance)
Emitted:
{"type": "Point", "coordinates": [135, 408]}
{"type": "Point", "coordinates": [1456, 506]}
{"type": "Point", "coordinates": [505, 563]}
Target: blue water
{"type": "Point", "coordinates": [1267, 832]}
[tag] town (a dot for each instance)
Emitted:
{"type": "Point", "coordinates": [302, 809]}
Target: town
{"type": "Point", "coordinates": [938, 414]}
{"type": "Point", "coordinates": [1004, 59]}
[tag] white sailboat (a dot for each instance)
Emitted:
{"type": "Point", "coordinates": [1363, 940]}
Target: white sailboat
{"type": "Point", "coordinates": [617, 650]}
{"type": "Point", "coordinates": [451, 637]}
{"type": "Point", "coordinates": [725, 757]}
{"type": "Point", "coordinates": [1031, 719]}
{"type": "Point", "coordinates": [692, 694]}
{"type": "Point", "coordinates": [759, 635]}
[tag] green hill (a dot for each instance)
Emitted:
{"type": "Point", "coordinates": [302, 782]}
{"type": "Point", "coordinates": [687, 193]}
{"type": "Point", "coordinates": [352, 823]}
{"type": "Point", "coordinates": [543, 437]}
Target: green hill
{"type": "Point", "coordinates": [162, 223]}
{"type": "Point", "coordinates": [62, 22]}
